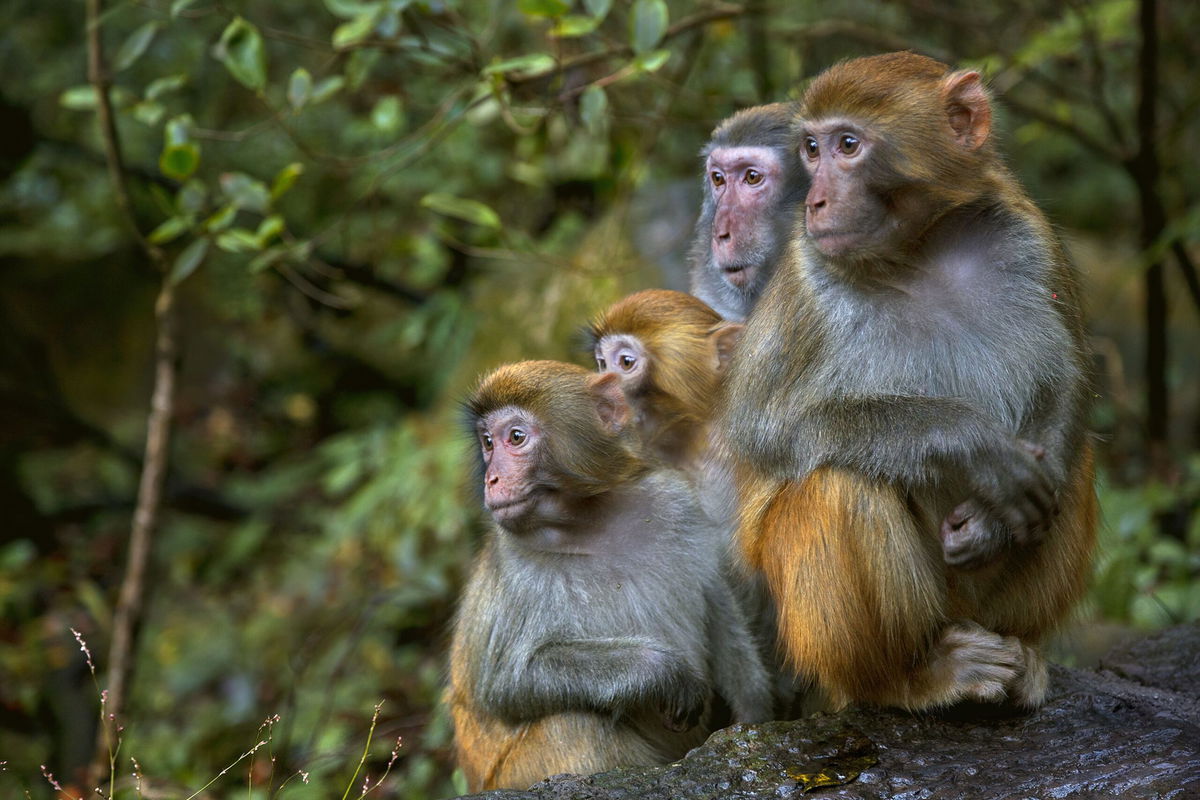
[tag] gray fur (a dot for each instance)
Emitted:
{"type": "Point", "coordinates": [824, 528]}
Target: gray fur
{"type": "Point", "coordinates": [923, 373]}
{"type": "Point", "coordinates": [641, 629]}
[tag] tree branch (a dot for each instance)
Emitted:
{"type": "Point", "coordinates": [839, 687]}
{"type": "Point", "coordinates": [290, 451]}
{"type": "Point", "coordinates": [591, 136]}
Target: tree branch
{"type": "Point", "coordinates": [697, 20]}
{"type": "Point", "coordinates": [149, 500]}
{"type": "Point", "coordinates": [1188, 268]}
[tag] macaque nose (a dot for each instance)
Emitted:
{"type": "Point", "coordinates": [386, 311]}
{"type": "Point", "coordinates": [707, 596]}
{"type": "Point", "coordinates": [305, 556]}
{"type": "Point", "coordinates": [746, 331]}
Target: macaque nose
{"type": "Point", "coordinates": [492, 480]}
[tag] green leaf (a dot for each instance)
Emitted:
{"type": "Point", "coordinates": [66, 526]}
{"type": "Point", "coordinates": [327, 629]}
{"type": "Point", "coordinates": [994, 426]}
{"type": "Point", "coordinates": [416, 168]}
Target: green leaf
{"type": "Point", "coordinates": [286, 179]}
{"type": "Point", "coordinates": [191, 197]}
{"type": "Point", "coordinates": [461, 208]}
{"type": "Point", "coordinates": [523, 66]}
{"type": "Point", "coordinates": [222, 219]}
{"type": "Point", "coordinates": [148, 112]}
{"type": "Point", "coordinates": [178, 130]}
{"type": "Point", "coordinates": [267, 259]}
{"type": "Point", "coordinates": [593, 108]}
{"type": "Point", "coordinates": [359, 66]}
{"type": "Point", "coordinates": [647, 24]}
{"type": "Point", "coordinates": [189, 259]}
{"type": "Point", "coordinates": [79, 98]}
{"type": "Point", "coordinates": [543, 8]}
{"type": "Point", "coordinates": [179, 161]}
{"type": "Point", "coordinates": [349, 9]}
{"type": "Point", "coordinates": [598, 8]}
{"type": "Point", "coordinates": [170, 230]}
{"type": "Point", "coordinates": [574, 25]}
{"type": "Point", "coordinates": [241, 51]}
{"type": "Point", "coordinates": [357, 30]}
{"type": "Point", "coordinates": [386, 115]}
{"type": "Point", "coordinates": [327, 88]}
{"type": "Point", "coordinates": [165, 85]}
{"type": "Point", "coordinates": [238, 240]}
{"type": "Point", "coordinates": [299, 88]}
{"type": "Point", "coordinates": [651, 62]}
{"type": "Point", "coordinates": [133, 47]}
{"type": "Point", "coordinates": [179, 6]}
{"type": "Point", "coordinates": [268, 229]}
{"type": "Point", "coordinates": [245, 192]}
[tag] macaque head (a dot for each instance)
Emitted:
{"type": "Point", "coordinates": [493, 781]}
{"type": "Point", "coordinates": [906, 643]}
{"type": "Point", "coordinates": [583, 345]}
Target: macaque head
{"type": "Point", "coordinates": [549, 434]}
{"type": "Point", "coordinates": [669, 349]}
{"type": "Point", "coordinates": [752, 181]}
{"type": "Point", "coordinates": [890, 142]}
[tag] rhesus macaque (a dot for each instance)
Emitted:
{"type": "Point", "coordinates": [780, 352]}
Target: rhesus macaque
{"type": "Point", "coordinates": [597, 625]}
{"type": "Point", "coordinates": [906, 407]}
{"type": "Point", "coordinates": [670, 351]}
{"type": "Point", "coordinates": [754, 180]}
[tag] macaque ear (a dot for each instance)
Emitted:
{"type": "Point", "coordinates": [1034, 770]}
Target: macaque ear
{"type": "Point", "coordinates": [967, 108]}
{"type": "Point", "coordinates": [724, 339]}
{"type": "Point", "coordinates": [611, 404]}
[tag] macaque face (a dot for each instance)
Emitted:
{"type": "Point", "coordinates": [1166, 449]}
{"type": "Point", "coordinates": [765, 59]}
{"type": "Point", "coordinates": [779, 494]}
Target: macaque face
{"type": "Point", "coordinates": [625, 357]}
{"type": "Point", "coordinates": [511, 440]}
{"type": "Point", "coordinates": [745, 185]}
{"type": "Point", "coordinates": [844, 215]}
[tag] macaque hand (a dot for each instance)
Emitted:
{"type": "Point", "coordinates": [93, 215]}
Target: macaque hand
{"type": "Point", "coordinates": [684, 703]}
{"type": "Point", "coordinates": [1009, 484]}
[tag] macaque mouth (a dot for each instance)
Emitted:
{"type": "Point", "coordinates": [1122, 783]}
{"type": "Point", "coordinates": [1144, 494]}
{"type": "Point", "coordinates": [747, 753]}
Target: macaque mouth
{"type": "Point", "coordinates": [738, 274]}
{"type": "Point", "coordinates": [511, 508]}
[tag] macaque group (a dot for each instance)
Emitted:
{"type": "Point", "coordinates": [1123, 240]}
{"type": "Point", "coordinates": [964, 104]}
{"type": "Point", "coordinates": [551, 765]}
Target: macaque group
{"type": "Point", "coordinates": [884, 473]}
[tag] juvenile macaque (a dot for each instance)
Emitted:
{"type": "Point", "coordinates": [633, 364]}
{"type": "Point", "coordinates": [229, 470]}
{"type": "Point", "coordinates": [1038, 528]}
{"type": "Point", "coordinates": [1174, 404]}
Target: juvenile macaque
{"type": "Point", "coordinates": [597, 626]}
{"type": "Point", "coordinates": [670, 351]}
{"type": "Point", "coordinates": [754, 180]}
{"type": "Point", "coordinates": [906, 407]}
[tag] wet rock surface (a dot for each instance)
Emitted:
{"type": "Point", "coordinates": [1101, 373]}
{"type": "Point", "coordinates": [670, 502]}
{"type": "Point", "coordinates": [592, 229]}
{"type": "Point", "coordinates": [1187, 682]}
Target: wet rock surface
{"type": "Point", "coordinates": [1130, 728]}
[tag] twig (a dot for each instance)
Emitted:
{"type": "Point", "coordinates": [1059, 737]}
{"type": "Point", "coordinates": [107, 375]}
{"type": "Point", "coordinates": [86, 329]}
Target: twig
{"type": "Point", "coordinates": [158, 426]}
{"type": "Point", "coordinates": [696, 20]}
{"type": "Point", "coordinates": [1188, 269]}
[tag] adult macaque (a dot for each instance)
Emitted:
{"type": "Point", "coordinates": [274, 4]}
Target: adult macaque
{"type": "Point", "coordinates": [754, 180]}
{"type": "Point", "coordinates": [906, 407]}
{"type": "Point", "coordinates": [670, 351]}
{"type": "Point", "coordinates": [597, 624]}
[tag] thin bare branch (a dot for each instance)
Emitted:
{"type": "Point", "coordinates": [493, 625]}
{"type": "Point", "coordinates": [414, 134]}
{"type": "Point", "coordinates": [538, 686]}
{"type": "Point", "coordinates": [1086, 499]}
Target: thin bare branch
{"type": "Point", "coordinates": [149, 500]}
{"type": "Point", "coordinates": [1188, 268]}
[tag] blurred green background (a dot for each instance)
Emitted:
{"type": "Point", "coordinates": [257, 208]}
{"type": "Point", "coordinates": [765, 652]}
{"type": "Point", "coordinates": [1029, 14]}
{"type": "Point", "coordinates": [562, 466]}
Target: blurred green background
{"type": "Point", "coordinates": [359, 205]}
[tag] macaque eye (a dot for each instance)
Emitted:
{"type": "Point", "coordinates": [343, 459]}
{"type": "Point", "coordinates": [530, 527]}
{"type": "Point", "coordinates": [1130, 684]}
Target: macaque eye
{"type": "Point", "coordinates": [516, 436]}
{"type": "Point", "coordinates": [848, 144]}
{"type": "Point", "coordinates": [718, 179]}
{"type": "Point", "coordinates": [627, 362]}
{"type": "Point", "coordinates": [753, 177]}
{"type": "Point", "coordinates": [810, 147]}
{"type": "Point", "coordinates": [487, 442]}
{"type": "Point", "coordinates": [600, 362]}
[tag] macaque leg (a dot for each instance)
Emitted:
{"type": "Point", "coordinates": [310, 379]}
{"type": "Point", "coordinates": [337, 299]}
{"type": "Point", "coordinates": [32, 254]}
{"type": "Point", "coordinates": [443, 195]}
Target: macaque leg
{"type": "Point", "coordinates": [495, 755]}
{"type": "Point", "coordinates": [862, 597]}
{"type": "Point", "coordinates": [1028, 592]}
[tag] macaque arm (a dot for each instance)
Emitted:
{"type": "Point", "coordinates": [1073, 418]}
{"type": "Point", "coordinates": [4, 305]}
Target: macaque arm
{"type": "Point", "coordinates": [898, 438]}
{"type": "Point", "coordinates": [604, 675]}
{"type": "Point", "coordinates": [909, 440]}
{"type": "Point", "coordinates": [737, 669]}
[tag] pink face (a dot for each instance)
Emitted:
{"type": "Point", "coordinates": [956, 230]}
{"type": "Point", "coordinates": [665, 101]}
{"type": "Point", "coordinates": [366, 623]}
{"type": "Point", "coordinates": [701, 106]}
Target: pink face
{"type": "Point", "coordinates": [625, 357]}
{"type": "Point", "coordinates": [843, 216]}
{"type": "Point", "coordinates": [510, 439]}
{"type": "Point", "coordinates": [746, 183]}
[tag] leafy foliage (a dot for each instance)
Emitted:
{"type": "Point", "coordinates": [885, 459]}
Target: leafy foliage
{"type": "Point", "coordinates": [364, 204]}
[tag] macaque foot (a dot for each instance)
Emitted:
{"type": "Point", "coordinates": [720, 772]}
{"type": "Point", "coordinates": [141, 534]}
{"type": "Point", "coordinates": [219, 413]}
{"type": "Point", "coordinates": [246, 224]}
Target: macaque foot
{"type": "Point", "coordinates": [973, 663]}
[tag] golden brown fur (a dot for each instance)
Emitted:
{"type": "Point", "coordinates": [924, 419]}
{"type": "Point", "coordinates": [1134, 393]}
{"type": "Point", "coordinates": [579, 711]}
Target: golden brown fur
{"type": "Point", "coordinates": [687, 344]}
